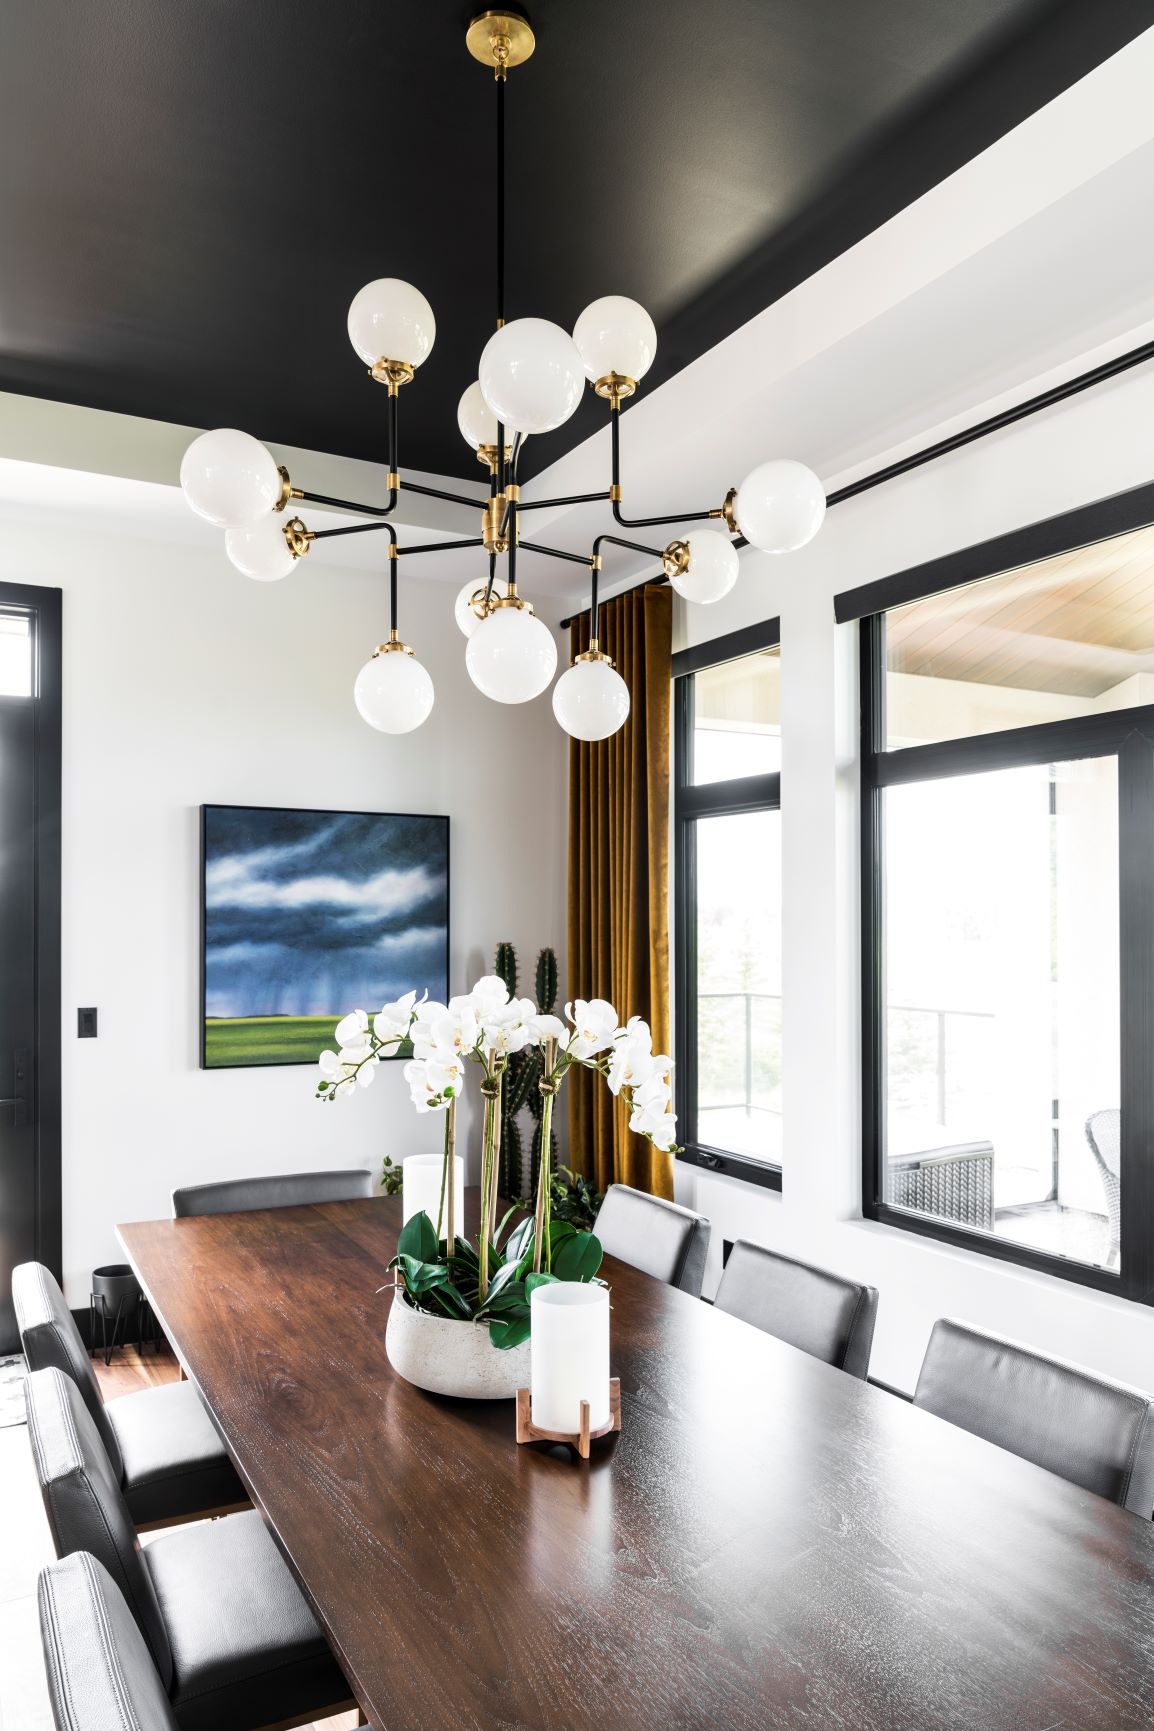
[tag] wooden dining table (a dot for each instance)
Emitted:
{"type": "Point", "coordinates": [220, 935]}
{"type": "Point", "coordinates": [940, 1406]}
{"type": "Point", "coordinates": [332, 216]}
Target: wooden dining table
{"type": "Point", "coordinates": [767, 1543]}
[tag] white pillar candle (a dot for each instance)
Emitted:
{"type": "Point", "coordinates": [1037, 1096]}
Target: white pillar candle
{"type": "Point", "coordinates": [570, 1360]}
{"type": "Point", "coordinates": [422, 1188]}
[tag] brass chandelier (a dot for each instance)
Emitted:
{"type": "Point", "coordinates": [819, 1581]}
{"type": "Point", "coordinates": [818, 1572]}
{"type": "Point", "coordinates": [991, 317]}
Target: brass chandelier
{"type": "Point", "coordinates": [531, 378]}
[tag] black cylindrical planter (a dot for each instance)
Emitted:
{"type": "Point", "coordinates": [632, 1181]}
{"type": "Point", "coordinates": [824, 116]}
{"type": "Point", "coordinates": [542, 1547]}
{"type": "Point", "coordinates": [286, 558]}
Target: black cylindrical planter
{"type": "Point", "coordinates": [116, 1296]}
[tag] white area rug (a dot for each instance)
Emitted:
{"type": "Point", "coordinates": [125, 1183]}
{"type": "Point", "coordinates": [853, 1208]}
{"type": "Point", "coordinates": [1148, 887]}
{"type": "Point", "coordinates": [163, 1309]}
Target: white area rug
{"type": "Point", "coordinates": [12, 1373]}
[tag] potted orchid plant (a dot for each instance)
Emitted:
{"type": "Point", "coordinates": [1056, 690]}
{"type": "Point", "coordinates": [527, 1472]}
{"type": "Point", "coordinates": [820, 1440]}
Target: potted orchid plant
{"type": "Point", "coordinates": [445, 1279]}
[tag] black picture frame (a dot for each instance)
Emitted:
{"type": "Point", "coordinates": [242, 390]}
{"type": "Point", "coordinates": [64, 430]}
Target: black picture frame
{"type": "Point", "coordinates": [303, 811]}
{"type": "Point", "coordinates": [1128, 735]}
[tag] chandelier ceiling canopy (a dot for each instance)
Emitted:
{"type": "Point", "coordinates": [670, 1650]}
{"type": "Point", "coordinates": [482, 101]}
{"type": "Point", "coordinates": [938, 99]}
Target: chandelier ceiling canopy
{"type": "Point", "coordinates": [532, 375]}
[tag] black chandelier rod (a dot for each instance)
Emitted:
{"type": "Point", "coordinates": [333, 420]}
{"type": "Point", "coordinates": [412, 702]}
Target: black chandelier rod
{"type": "Point", "coordinates": [353, 529]}
{"type": "Point", "coordinates": [440, 546]}
{"type": "Point", "coordinates": [957, 441]}
{"type": "Point", "coordinates": [556, 553]}
{"type": "Point", "coordinates": [615, 490]}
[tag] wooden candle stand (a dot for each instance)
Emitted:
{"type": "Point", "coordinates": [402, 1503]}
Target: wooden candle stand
{"type": "Point", "coordinates": [527, 1431]}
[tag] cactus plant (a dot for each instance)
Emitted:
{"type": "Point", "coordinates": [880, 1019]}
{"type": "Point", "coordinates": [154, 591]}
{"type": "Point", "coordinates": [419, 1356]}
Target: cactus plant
{"type": "Point", "coordinates": [522, 1074]}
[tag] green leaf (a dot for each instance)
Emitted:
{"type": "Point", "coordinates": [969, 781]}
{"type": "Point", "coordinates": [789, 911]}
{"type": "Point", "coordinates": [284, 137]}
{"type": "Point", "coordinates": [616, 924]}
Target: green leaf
{"type": "Point", "coordinates": [519, 1240]}
{"type": "Point", "coordinates": [420, 1276]}
{"type": "Point", "coordinates": [577, 1258]}
{"type": "Point", "coordinates": [505, 1334]}
{"type": "Point", "coordinates": [533, 1281]}
{"type": "Point", "coordinates": [450, 1301]}
{"type": "Point", "coordinates": [418, 1238]}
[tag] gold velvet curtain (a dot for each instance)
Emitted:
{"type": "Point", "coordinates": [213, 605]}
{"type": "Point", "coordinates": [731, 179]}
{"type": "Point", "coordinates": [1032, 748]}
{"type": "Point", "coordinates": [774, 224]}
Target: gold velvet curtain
{"type": "Point", "coordinates": [619, 879]}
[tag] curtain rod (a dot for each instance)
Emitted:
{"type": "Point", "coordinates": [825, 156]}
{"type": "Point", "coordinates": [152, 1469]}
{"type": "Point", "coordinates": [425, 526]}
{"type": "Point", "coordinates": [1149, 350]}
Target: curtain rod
{"type": "Point", "coordinates": [994, 423]}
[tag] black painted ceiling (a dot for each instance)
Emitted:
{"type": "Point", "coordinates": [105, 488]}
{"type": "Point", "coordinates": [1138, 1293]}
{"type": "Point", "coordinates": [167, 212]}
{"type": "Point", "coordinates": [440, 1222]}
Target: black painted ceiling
{"type": "Point", "coordinates": [191, 191]}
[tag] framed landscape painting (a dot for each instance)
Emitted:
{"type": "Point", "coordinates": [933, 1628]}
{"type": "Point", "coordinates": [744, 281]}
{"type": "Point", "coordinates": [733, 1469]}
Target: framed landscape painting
{"type": "Point", "coordinates": [306, 915]}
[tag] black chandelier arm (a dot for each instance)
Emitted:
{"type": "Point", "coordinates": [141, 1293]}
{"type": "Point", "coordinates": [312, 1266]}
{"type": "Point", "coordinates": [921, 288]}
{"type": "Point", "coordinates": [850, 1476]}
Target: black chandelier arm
{"type": "Point", "coordinates": [440, 546]}
{"type": "Point", "coordinates": [449, 498]}
{"type": "Point", "coordinates": [354, 529]}
{"type": "Point", "coordinates": [573, 499]}
{"type": "Point", "coordinates": [615, 489]}
{"type": "Point", "coordinates": [393, 563]}
{"type": "Point", "coordinates": [349, 504]}
{"type": "Point", "coordinates": [633, 546]}
{"type": "Point", "coordinates": [556, 553]}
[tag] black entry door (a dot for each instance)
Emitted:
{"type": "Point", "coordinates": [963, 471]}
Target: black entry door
{"type": "Point", "coordinates": [30, 712]}
{"type": "Point", "coordinates": [17, 997]}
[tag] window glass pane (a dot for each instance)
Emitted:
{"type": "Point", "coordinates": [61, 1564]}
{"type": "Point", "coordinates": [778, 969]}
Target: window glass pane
{"type": "Point", "coordinates": [1002, 1004]}
{"type": "Point", "coordinates": [1068, 636]}
{"type": "Point", "coordinates": [15, 655]}
{"type": "Point", "coordinates": [737, 718]}
{"type": "Point", "coordinates": [738, 915]}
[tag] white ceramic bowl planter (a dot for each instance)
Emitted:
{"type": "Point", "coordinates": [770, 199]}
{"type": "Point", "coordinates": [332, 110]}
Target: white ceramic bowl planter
{"type": "Point", "coordinates": [448, 1357]}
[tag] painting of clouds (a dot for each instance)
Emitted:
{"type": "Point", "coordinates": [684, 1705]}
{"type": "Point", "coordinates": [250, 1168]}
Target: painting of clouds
{"type": "Point", "coordinates": [310, 914]}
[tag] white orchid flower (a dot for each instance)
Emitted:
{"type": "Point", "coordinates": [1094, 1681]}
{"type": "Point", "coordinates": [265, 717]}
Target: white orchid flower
{"type": "Point", "coordinates": [594, 1026]}
{"type": "Point", "coordinates": [654, 1092]}
{"type": "Point", "coordinates": [489, 998]}
{"type": "Point", "coordinates": [631, 1057]}
{"type": "Point", "coordinates": [392, 1023]}
{"type": "Point", "coordinates": [432, 1084]}
{"type": "Point", "coordinates": [655, 1122]}
{"type": "Point", "coordinates": [352, 1028]}
{"type": "Point", "coordinates": [331, 1067]}
{"type": "Point", "coordinates": [509, 1029]}
{"type": "Point", "coordinates": [543, 1028]}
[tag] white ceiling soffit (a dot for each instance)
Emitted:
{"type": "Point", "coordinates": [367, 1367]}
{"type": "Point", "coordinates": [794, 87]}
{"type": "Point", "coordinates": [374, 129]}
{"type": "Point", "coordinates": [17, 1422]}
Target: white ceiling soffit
{"type": "Point", "coordinates": [1034, 260]}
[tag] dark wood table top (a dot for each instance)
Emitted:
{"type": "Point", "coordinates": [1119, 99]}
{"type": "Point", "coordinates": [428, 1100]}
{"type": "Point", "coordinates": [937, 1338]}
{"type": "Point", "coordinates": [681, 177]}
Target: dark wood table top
{"type": "Point", "coordinates": [768, 1543]}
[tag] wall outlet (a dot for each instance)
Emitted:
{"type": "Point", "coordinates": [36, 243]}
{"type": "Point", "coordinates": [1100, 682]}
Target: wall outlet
{"type": "Point", "coordinates": [86, 1024]}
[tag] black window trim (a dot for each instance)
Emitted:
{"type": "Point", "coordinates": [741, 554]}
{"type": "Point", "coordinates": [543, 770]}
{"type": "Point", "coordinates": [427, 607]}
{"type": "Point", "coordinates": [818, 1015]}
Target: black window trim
{"type": "Point", "coordinates": [1127, 734]}
{"type": "Point", "coordinates": [690, 802]}
{"type": "Point", "coordinates": [43, 607]}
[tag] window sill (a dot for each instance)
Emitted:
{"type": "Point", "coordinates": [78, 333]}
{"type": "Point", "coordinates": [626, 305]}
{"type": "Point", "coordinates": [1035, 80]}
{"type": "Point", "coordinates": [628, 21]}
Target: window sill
{"type": "Point", "coordinates": [725, 1165]}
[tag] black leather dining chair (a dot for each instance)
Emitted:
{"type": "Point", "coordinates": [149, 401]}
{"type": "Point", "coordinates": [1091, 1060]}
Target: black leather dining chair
{"type": "Point", "coordinates": [231, 1635]}
{"type": "Point", "coordinates": [1096, 1433]}
{"type": "Point", "coordinates": [101, 1676]}
{"type": "Point", "coordinates": [820, 1312]}
{"type": "Point", "coordinates": [167, 1458]}
{"type": "Point", "coordinates": [661, 1238]}
{"type": "Point", "coordinates": [285, 1190]}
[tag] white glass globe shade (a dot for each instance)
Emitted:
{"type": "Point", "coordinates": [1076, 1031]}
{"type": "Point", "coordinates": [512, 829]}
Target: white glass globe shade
{"type": "Point", "coordinates": [712, 568]}
{"type": "Point", "coordinates": [229, 477]}
{"type": "Point", "coordinates": [531, 375]}
{"type": "Point", "coordinates": [780, 506]}
{"type": "Point", "coordinates": [511, 656]}
{"type": "Point", "coordinates": [477, 421]}
{"type": "Point", "coordinates": [591, 700]}
{"type": "Point", "coordinates": [615, 335]}
{"type": "Point", "coordinates": [467, 620]}
{"type": "Point", "coordinates": [260, 550]}
{"type": "Point", "coordinates": [394, 692]}
{"type": "Point", "coordinates": [391, 320]}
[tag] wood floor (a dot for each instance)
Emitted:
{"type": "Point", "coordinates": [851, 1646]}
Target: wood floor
{"type": "Point", "coordinates": [27, 1546]}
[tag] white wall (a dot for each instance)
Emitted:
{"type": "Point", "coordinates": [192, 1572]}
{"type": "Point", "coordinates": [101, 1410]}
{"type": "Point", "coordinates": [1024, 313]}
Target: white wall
{"type": "Point", "coordinates": [1092, 446]}
{"type": "Point", "coordinates": [185, 683]}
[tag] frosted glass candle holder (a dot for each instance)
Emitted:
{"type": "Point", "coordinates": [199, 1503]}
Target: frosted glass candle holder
{"type": "Point", "coordinates": [421, 1174]}
{"type": "Point", "coordinates": [571, 1398]}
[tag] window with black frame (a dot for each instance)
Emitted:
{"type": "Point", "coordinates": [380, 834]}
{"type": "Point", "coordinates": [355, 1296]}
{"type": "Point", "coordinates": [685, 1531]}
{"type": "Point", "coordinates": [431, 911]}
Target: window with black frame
{"type": "Point", "coordinates": [727, 876]}
{"type": "Point", "coordinates": [1008, 896]}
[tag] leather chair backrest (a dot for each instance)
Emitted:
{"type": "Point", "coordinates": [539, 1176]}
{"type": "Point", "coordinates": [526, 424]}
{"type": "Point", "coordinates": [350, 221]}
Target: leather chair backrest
{"type": "Point", "coordinates": [289, 1190]}
{"type": "Point", "coordinates": [85, 1508]}
{"type": "Point", "coordinates": [50, 1338]}
{"type": "Point", "coordinates": [656, 1236]}
{"type": "Point", "coordinates": [1097, 1434]}
{"type": "Point", "coordinates": [100, 1673]}
{"type": "Point", "coordinates": [824, 1314]}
